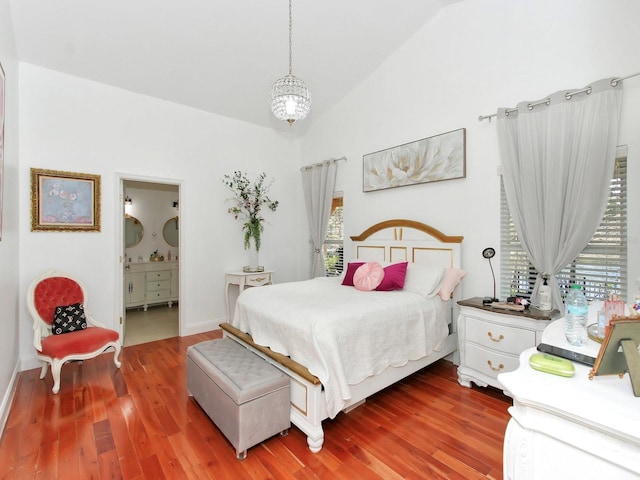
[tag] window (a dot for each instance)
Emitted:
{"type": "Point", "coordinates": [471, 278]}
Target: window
{"type": "Point", "coordinates": [333, 243]}
{"type": "Point", "coordinates": [601, 268]}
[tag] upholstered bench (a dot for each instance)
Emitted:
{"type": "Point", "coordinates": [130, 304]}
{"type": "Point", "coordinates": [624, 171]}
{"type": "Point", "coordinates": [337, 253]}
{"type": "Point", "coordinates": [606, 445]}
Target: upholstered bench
{"type": "Point", "coordinates": [246, 397]}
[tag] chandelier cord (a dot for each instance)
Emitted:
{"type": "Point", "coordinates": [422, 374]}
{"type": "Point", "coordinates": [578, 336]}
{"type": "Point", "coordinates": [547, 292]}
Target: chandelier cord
{"type": "Point", "coordinates": [290, 28]}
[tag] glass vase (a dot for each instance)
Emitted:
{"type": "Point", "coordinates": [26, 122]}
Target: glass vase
{"type": "Point", "coordinates": [254, 261]}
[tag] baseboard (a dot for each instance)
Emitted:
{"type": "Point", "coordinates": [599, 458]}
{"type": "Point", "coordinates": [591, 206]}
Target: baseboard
{"type": "Point", "coordinates": [29, 362]}
{"type": "Point", "coordinates": [7, 399]}
{"type": "Point", "coordinates": [201, 327]}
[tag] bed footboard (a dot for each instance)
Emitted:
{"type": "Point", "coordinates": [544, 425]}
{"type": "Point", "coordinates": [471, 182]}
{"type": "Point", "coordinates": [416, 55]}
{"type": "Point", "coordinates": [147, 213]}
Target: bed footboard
{"type": "Point", "coordinates": [307, 403]}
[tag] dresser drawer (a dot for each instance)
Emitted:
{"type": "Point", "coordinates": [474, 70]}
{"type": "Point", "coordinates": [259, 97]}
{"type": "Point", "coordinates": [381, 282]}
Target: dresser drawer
{"type": "Point", "coordinates": [490, 362]}
{"type": "Point", "coordinates": [158, 285]}
{"type": "Point", "coordinates": [258, 279]}
{"type": "Point", "coordinates": [161, 275]}
{"type": "Point", "coordinates": [503, 338]}
{"type": "Point", "coordinates": [158, 295]}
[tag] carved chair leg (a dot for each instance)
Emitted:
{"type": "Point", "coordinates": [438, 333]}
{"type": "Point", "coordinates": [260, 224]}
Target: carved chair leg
{"type": "Point", "coordinates": [56, 366]}
{"type": "Point", "coordinates": [116, 354]}
{"type": "Point", "coordinates": [43, 371]}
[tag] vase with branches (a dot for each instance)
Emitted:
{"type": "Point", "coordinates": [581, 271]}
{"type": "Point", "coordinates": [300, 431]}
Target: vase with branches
{"type": "Point", "coordinates": [249, 199]}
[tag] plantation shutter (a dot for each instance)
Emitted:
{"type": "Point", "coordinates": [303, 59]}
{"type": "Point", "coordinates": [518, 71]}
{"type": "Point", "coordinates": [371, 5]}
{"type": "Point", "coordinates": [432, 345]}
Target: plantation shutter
{"type": "Point", "coordinates": [601, 268]}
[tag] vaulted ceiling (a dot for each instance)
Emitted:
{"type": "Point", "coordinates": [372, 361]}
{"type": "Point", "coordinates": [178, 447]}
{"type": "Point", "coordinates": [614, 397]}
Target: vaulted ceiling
{"type": "Point", "coordinates": [219, 56]}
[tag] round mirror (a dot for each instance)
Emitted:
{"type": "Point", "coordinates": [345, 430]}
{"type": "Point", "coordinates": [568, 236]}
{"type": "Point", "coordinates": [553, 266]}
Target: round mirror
{"type": "Point", "coordinates": [133, 231]}
{"type": "Point", "coordinates": [170, 231]}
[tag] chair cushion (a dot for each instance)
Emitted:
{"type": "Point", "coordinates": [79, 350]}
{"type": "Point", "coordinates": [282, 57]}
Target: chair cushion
{"type": "Point", "coordinates": [80, 343]}
{"type": "Point", "coordinates": [69, 318]}
{"type": "Point", "coordinates": [54, 291]}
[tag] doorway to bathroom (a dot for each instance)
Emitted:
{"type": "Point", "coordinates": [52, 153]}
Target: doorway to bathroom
{"type": "Point", "coordinates": [151, 272]}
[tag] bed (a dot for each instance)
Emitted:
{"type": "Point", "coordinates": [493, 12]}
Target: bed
{"type": "Point", "coordinates": [339, 344]}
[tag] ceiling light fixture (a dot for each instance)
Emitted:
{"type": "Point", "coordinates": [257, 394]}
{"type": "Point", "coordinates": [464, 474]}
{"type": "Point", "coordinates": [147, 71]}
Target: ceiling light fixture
{"type": "Point", "coordinates": [289, 97]}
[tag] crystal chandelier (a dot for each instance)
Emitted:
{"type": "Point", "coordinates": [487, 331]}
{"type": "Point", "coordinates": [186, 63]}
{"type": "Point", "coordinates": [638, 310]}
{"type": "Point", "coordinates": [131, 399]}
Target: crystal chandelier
{"type": "Point", "coordinates": [289, 97]}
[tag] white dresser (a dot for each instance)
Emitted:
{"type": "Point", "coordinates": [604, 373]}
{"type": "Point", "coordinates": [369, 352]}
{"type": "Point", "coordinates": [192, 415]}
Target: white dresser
{"type": "Point", "coordinates": [491, 340]}
{"type": "Point", "coordinates": [570, 427]}
{"type": "Point", "coordinates": [151, 283]}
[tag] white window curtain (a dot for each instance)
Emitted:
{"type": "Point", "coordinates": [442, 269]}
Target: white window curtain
{"type": "Point", "coordinates": [557, 159]}
{"type": "Point", "coordinates": [318, 182]}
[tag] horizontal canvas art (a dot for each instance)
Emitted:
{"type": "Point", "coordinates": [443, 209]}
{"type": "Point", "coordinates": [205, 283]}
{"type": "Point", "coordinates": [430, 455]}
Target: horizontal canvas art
{"type": "Point", "coordinates": [432, 159]}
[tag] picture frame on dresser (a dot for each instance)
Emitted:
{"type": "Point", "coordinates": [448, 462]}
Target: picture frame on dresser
{"type": "Point", "coordinates": [619, 352]}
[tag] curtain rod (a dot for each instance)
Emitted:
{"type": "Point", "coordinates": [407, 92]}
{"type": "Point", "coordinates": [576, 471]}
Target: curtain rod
{"type": "Point", "coordinates": [614, 82]}
{"type": "Point", "coordinates": [307, 167]}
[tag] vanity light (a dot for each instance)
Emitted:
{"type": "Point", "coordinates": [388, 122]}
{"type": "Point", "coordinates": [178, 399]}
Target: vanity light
{"type": "Point", "coordinates": [127, 205]}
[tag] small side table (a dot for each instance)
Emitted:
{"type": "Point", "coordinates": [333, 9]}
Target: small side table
{"type": "Point", "coordinates": [243, 280]}
{"type": "Point", "coordinates": [491, 340]}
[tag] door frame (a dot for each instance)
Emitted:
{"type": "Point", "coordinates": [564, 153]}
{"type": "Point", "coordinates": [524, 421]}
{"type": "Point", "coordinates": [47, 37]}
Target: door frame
{"type": "Point", "coordinates": [121, 178]}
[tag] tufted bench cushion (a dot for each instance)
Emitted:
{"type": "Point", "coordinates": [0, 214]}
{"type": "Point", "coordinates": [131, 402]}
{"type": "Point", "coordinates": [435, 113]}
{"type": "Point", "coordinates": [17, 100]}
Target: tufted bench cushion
{"type": "Point", "coordinates": [246, 397]}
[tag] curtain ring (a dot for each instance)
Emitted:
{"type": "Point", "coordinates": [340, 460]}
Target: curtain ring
{"type": "Point", "coordinates": [614, 82]}
{"type": "Point", "coordinates": [529, 107]}
{"type": "Point", "coordinates": [589, 91]}
{"type": "Point", "coordinates": [568, 96]}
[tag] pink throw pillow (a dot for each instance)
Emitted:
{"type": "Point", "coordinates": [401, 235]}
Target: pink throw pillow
{"type": "Point", "coordinates": [394, 276]}
{"type": "Point", "coordinates": [368, 276]}
{"type": "Point", "coordinates": [351, 269]}
{"type": "Point", "coordinates": [452, 277]}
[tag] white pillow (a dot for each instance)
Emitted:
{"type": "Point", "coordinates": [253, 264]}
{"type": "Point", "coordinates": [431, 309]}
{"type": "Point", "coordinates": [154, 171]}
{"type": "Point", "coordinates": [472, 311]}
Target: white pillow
{"type": "Point", "coordinates": [423, 279]}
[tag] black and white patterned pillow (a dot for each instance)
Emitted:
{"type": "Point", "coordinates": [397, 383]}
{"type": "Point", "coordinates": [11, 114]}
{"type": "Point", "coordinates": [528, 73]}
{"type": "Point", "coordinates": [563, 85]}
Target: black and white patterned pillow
{"type": "Point", "coordinates": [69, 318]}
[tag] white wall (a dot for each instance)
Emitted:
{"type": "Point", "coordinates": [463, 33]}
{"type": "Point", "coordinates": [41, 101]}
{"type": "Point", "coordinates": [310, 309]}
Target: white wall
{"type": "Point", "coordinates": [75, 125]}
{"type": "Point", "coordinates": [471, 59]}
{"type": "Point", "coordinates": [9, 271]}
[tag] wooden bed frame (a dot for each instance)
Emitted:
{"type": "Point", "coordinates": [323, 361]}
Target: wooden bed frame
{"type": "Point", "coordinates": [389, 241]}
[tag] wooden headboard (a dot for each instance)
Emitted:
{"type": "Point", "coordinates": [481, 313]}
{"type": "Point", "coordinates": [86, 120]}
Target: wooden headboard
{"type": "Point", "coordinates": [403, 240]}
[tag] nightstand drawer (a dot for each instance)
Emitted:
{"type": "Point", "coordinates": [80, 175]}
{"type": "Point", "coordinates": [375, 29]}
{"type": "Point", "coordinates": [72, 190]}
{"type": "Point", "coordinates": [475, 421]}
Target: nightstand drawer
{"type": "Point", "coordinates": [258, 279]}
{"type": "Point", "coordinates": [490, 362]}
{"type": "Point", "coordinates": [158, 285]}
{"type": "Point", "coordinates": [161, 275]}
{"type": "Point", "coordinates": [503, 338]}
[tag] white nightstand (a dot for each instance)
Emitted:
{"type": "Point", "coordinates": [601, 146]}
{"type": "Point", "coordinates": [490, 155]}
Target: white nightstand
{"type": "Point", "coordinates": [243, 280]}
{"type": "Point", "coordinates": [490, 340]}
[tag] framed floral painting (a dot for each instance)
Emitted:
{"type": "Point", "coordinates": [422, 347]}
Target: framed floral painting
{"type": "Point", "coordinates": [2, 115]}
{"type": "Point", "coordinates": [64, 201]}
{"type": "Point", "coordinates": [432, 159]}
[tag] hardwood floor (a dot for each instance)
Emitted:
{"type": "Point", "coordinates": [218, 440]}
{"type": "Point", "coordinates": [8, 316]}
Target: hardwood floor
{"type": "Point", "coordinates": [137, 422]}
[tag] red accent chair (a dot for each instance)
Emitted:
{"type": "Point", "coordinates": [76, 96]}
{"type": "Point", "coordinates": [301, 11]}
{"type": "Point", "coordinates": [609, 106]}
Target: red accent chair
{"type": "Point", "coordinates": [47, 291]}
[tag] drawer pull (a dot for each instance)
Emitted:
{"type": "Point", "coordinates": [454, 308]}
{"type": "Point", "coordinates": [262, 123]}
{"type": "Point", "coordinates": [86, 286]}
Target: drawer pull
{"type": "Point", "coordinates": [500, 367]}
{"type": "Point", "coordinates": [499, 339]}
{"type": "Point", "coordinates": [259, 279]}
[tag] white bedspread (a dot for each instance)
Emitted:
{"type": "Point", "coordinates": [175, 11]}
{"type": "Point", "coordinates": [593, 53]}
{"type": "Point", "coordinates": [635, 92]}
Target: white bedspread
{"type": "Point", "coordinates": [342, 335]}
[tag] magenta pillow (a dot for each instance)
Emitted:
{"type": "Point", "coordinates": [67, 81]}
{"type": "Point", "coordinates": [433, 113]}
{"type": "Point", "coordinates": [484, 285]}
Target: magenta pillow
{"type": "Point", "coordinates": [394, 276]}
{"type": "Point", "coordinates": [368, 276]}
{"type": "Point", "coordinates": [351, 269]}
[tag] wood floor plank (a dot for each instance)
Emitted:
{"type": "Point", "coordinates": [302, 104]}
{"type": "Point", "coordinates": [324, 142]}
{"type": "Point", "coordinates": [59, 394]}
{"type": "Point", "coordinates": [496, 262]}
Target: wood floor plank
{"type": "Point", "coordinates": [139, 423]}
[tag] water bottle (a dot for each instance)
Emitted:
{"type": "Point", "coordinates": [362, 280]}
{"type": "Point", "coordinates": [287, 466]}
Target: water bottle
{"type": "Point", "coordinates": [576, 312]}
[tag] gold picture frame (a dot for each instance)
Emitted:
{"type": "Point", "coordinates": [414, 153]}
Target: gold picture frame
{"type": "Point", "coordinates": [619, 351]}
{"type": "Point", "coordinates": [64, 201]}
